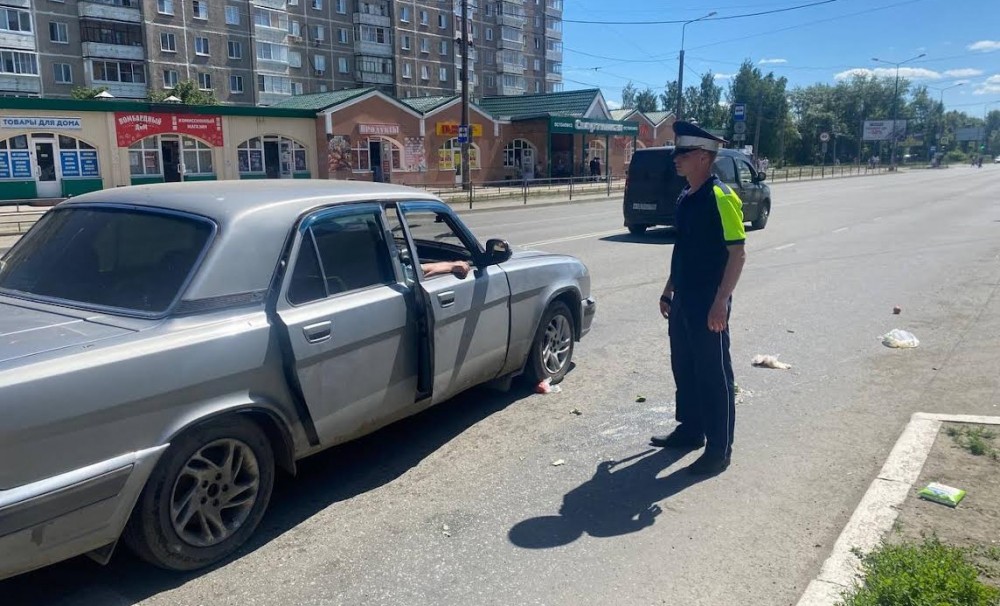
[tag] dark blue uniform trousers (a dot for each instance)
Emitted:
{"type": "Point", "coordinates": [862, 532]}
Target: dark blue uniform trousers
{"type": "Point", "coordinates": [703, 373]}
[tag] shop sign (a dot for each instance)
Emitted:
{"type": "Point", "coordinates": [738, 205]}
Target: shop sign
{"type": "Point", "coordinates": [450, 129]}
{"type": "Point", "coordinates": [41, 122]}
{"type": "Point", "coordinates": [135, 126]}
{"type": "Point", "coordinates": [378, 129]}
{"type": "Point", "coordinates": [588, 126]}
{"type": "Point", "coordinates": [413, 155]}
{"type": "Point", "coordinates": [70, 161]}
{"type": "Point", "coordinates": [88, 163]}
{"type": "Point", "coordinates": [20, 165]}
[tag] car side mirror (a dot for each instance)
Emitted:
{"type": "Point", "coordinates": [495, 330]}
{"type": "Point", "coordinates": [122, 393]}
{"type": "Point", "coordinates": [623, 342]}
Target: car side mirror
{"type": "Point", "coordinates": [761, 176]}
{"type": "Point", "coordinates": [498, 251]}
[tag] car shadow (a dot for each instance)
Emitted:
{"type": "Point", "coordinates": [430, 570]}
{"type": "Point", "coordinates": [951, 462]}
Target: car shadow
{"type": "Point", "coordinates": [611, 503]}
{"type": "Point", "coordinates": [661, 236]}
{"type": "Point", "coordinates": [327, 478]}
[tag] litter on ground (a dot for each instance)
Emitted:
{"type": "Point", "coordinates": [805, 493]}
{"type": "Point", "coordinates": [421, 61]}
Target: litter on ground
{"type": "Point", "coordinates": [558, 462]}
{"type": "Point", "coordinates": [939, 493]}
{"type": "Point", "coordinates": [769, 362]}
{"type": "Point", "coordinates": [900, 339]}
{"type": "Point", "coordinates": [546, 387]}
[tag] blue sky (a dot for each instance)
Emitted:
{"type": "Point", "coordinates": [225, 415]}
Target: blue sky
{"type": "Point", "coordinates": [961, 39]}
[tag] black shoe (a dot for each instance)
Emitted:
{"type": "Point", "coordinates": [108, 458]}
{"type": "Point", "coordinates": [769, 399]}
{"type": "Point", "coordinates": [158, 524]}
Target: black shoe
{"type": "Point", "coordinates": [708, 465]}
{"type": "Point", "coordinates": [678, 439]}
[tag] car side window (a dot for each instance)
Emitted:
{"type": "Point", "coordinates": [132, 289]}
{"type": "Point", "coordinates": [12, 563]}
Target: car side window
{"type": "Point", "coordinates": [746, 172]}
{"type": "Point", "coordinates": [436, 238]}
{"type": "Point", "coordinates": [340, 254]}
{"type": "Point", "coordinates": [725, 170]}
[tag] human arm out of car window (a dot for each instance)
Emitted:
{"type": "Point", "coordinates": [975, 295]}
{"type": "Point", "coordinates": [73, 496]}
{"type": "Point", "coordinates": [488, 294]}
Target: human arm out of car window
{"type": "Point", "coordinates": [460, 269]}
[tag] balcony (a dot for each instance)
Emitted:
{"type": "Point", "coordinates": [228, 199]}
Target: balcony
{"type": "Point", "coordinates": [511, 20]}
{"type": "Point", "coordinates": [273, 67]}
{"type": "Point", "coordinates": [503, 44]}
{"type": "Point", "coordinates": [270, 34]}
{"type": "Point", "coordinates": [16, 40]}
{"type": "Point", "coordinates": [553, 34]}
{"type": "Point", "coordinates": [553, 9]}
{"type": "Point", "coordinates": [113, 51]}
{"type": "Point", "coordinates": [506, 90]}
{"type": "Point", "coordinates": [17, 83]}
{"type": "Point", "coordinates": [504, 67]}
{"type": "Point", "coordinates": [18, 3]}
{"type": "Point", "coordinates": [369, 19]}
{"type": "Point", "coordinates": [271, 98]}
{"type": "Point", "coordinates": [125, 90]}
{"type": "Point", "coordinates": [275, 4]}
{"type": "Point", "coordinates": [373, 49]}
{"type": "Point", "coordinates": [554, 55]}
{"type": "Point", "coordinates": [110, 10]}
{"type": "Point", "coordinates": [373, 77]}
{"type": "Point", "coordinates": [553, 77]}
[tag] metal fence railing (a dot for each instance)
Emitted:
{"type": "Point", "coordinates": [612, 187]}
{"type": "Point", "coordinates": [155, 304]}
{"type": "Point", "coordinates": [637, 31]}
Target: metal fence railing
{"type": "Point", "coordinates": [16, 219]}
{"type": "Point", "coordinates": [564, 187]}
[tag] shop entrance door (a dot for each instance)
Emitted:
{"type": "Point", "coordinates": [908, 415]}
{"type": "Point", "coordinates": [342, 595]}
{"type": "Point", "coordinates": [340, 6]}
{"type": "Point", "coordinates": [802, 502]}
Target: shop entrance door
{"type": "Point", "coordinates": [272, 160]}
{"type": "Point", "coordinates": [375, 157]}
{"type": "Point", "coordinates": [171, 160]}
{"type": "Point", "coordinates": [47, 180]}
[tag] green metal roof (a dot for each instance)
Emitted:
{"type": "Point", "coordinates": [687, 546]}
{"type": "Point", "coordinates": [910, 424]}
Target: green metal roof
{"type": "Point", "coordinates": [570, 104]}
{"type": "Point", "coordinates": [320, 101]}
{"type": "Point", "coordinates": [428, 104]}
{"type": "Point", "coordinates": [115, 105]}
{"type": "Point", "coordinates": [657, 117]}
{"type": "Point", "coordinates": [621, 114]}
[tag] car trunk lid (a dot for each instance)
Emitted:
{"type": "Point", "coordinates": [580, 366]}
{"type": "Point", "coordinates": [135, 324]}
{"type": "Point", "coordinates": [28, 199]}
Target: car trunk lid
{"type": "Point", "coordinates": [28, 331]}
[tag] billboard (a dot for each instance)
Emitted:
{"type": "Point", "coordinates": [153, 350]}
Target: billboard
{"type": "Point", "coordinates": [881, 130]}
{"type": "Point", "coordinates": [970, 133]}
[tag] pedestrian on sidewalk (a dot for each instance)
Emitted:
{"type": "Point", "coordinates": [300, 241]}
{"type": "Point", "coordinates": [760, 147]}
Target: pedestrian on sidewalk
{"type": "Point", "coordinates": [706, 264]}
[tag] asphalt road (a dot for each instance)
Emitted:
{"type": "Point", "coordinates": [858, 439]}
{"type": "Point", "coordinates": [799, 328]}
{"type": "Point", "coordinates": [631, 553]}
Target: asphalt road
{"type": "Point", "coordinates": [461, 505]}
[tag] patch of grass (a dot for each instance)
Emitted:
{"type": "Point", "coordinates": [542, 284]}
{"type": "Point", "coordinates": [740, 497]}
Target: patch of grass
{"type": "Point", "coordinates": [920, 574]}
{"type": "Point", "coordinates": [976, 440]}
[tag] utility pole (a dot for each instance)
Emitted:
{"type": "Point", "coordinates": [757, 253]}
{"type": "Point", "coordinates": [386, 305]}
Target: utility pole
{"type": "Point", "coordinates": [758, 119]}
{"type": "Point", "coordinates": [680, 69]}
{"type": "Point", "coordinates": [895, 103]}
{"type": "Point", "coordinates": [466, 177]}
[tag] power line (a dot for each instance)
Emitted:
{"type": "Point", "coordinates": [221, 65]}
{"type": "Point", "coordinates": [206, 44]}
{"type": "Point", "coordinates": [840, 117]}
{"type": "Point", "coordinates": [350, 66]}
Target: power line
{"type": "Point", "coordinates": [726, 18]}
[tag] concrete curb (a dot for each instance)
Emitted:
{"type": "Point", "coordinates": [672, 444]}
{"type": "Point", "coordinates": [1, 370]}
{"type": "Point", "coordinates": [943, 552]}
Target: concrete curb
{"type": "Point", "coordinates": [879, 508]}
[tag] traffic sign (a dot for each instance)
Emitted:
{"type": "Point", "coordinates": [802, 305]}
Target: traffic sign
{"type": "Point", "coordinates": [824, 147]}
{"type": "Point", "coordinates": [739, 112]}
{"type": "Point", "coordinates": [463, 133]}
{"type": "Point", "coordinates": [739, 137]}
{"type": "Point", "coordinates": [824, 137]}
{"type": "Point", "coordinates": [739, 128]}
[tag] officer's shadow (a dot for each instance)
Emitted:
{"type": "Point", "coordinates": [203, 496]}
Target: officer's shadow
{"type": "Point", "coordinates": [619, 499]}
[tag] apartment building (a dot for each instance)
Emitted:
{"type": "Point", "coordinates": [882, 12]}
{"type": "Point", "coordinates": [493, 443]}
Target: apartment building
{"type": "Point", "coordinates": [260, 52]}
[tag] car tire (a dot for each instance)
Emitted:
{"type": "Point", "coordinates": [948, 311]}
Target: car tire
{"type": "Point", "coordinates": [552, 348]}
{"type": "Point", "coordinates": [765, 213]}
{"type": "Point", "coordinates": [201, 472]}
{"type": "Point", "coordinates": [637, 230]}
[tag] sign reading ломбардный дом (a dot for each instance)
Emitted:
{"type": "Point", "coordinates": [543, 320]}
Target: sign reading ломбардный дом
{"type": "Point", "coordinates": [590, 126]}
{"type": "Point", "coordinates": [135, 126]}
{"type": "Point", "coordinates": [41, 122]}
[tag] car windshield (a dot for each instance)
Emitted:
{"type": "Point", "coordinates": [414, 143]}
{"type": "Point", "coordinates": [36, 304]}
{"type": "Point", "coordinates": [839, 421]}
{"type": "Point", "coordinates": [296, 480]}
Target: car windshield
{"type": "Point", "coordinates": [654, 167]}
{"type": "Point", "coordinates": [130, 259]}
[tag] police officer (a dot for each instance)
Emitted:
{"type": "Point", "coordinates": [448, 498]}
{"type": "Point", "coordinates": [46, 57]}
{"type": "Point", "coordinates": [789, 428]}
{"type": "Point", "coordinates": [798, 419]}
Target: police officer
{"type": "Point", "coordinates": [707, 261]}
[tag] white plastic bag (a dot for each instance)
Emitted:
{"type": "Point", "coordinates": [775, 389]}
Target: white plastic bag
{"type": "Point", "coordinates": [900, 339]}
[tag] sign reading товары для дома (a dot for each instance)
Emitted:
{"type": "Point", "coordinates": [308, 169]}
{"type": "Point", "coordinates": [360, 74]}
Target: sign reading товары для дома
{"type": "Point", "coordinates": [36, 122]}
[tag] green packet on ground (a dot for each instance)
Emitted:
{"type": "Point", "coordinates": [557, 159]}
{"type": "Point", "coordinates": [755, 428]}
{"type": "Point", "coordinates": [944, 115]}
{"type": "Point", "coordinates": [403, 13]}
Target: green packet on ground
{"type": "Point", "coordinates": [946, 495]}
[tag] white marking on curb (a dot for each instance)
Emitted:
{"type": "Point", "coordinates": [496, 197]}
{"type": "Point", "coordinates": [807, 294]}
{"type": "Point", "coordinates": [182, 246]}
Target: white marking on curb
{"type": "Point", "coordinates": [596, 234]}
{"type": "Point", "coordinates": [879, 507]}
{"type": "Point", "coordinates": [784, 246]}
{"type": "Point", "coordinates": [841, 230]}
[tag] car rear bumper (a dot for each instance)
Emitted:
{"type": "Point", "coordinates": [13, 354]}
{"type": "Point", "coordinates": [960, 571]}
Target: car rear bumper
{"type": "Point", "coordinates": [588, 307]}
{"type": "Point", "coordinates": [70, 514]}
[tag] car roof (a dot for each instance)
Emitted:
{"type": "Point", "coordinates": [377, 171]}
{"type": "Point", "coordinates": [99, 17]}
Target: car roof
{"type": "Point", "coordinates": [254, 218]}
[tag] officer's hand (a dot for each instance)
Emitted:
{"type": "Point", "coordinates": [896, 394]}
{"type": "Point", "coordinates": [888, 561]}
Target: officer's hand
{"type": "Point", "coordinates": [718, 316]}
{"type": "Point", "coordinates": [664, 309]}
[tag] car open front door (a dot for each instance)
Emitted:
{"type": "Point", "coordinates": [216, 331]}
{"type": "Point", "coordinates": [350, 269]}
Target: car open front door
{"type": "Point", "coordinates": [349, 323]}
{"type": "Point", "coordinates": [750, 190]}
{"type": "Point", "coordinates": [468, 319]}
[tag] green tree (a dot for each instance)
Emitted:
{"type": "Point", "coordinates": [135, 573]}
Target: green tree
{"type": "Point", "coordinates": [628, 96]}
{"type": "Point", "coordinates": [188, 93]}
{"type": "Point", "coordinates": [767, 105]}
{"type": "Point", "coordinates": [645, 101]}
{"type": "Point", "coordinates": [85, 92]}
{"type": "Point", "coordinates": [668, 98]}
{"type": "Point", "coordinates": [702, 103]}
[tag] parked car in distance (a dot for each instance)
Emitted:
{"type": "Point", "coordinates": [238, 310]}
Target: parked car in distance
{"type": "Point", "coordinates": [165, 349]}
{"type": "Point", "coordinates": [653, 186]}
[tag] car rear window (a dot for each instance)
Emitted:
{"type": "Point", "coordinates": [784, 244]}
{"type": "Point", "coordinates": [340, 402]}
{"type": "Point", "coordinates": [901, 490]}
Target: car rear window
{"type": "Point", "coordinates": [131, 259]}
{"type": "Point", "coordinates": [652, 166]}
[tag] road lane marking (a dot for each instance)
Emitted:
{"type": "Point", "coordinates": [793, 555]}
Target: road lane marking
{"type": "Point", "coordinates": [784, 246]}
{"type": "Point", "coordinates": [596, 234]}
{"type": "Point", "coordinates": [841, 230]}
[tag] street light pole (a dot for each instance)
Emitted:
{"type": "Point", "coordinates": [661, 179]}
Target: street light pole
{"type": "Point", "coordinates": [895, 103]}
{"type": "Point", "coordinates": [466, 177]}
{"type": "Point", "coordinates": [941, 103]}
{"type": "Point", "coordinates": [680, 68]}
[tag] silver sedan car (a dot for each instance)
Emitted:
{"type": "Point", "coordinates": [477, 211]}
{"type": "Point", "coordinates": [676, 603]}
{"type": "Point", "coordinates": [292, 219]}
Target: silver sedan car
{"type": "Point", "coordinates": [166, 349]}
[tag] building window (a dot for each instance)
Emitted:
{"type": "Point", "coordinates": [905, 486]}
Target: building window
{"type": "Point", "coordinates": [424, 74]}
{"type": "Point", "coordinates": [168, 42]}
{"type": "Point", "coordinates": [58, 32]}
{"type": "Point", "coordinates": [267, 51]}
{"type": "Point", "coordinates": [296, 88]}
{"type": "Point", "coordinates": [342, 65]}
{"type": "Point", "coordinates": [318, 33]}
{"type": "Point", "coordinates": [205, 81]}
{"type": "Point", "coordinates": [323, 88]}
{"type": "Point", "coordinates": [450, 155]}
{"type": "Point", "coordinates": [200, 9]}
{"type": "Point", "coordinates": [235, 49]}
{"type": "Point", "coordinates": [538, 65]}
{"type": "Point", "coordinates": [442, 22]}
{"type": "Point", "coordinates": [13, 20]}
{"type": "Point", "coordinates": [517, 152]}
{"type": "Point", "coordinates": [63, 73]}
{"type": "Point", "coordinates": [294, 59]}
{"type": "Point", "coordinates": [538, 44]}
{"type": "Point", "coordinates": [424, 18]}
{"type": "Point", "coordinates": [443, 74]}
{"type": "Point", "coordinates": [165, 7]}
{"type": "Point", "coordinates": [443, 48]}
{"type": "Point", "coordinates": [391, 150]}
{"type": "Point", "coordinates": [343, 36]}
{"type": "Point", "coordinates": [405, 43]}
{"type": "Point", "coordinates": [236, 84]}
{"type": "Point", "coordinates": [119, 71]}
{"type": "Point", "coordinates": [144, 157]}
{"type": "Point", "coordinates": [197, 157]}
{"type": "Point", "coordinates": [538, 86]}
{"type": "Point", "coordinates": [404, 14]}
{"type": "Point", "coordinates": [318, 5]}
{"type": "Point", "coordinates": [341, 6]}
{"type": "Point", "coordinates": [368, 33]}
{"type": "Point", "coordinates": [489, 33]}
{"type": "Point", "coordinates": [268, 18]}
{"type": "Point", "coordinates": [407, 71]}
{"type": "Point", "coordinates": [319, 64]}
{"type": "Point", "coordinates": [294, 29]}
{"type": "Point", "coordinates": [232, 15]}
{"type": "Point", "coordinates": [425, 45]}
{"type": "Point", "coordinates": [201, 46]}
{"type": "Point", "coordinates": [278, 85]}
{"type": "Point", "coordinates": [108, 32]}
{"type": "Point", "coordinates": [491, 80]}
{"type": "Point", "coordinates": [169, 78]}
{"type": "Point", "coordinates": [252, 160]}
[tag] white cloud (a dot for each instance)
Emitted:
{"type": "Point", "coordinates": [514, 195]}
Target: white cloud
{"type": "Point", "coordinates": [966, 72]}
{"type": "Point", "coordinates": [962, 82]}
{"type": "Point", "coordinates": [723, 76]}
{"type": "Point", "coordinates": [612, 104]}
{"type": "Point", "coordinates": [910, 73]}
{"type": "Point", "coordinates": [985, 45]}
{"type": "Point", "coordinates": [989, 86]}
{"type": "Point", "coordinates": [771, 61]}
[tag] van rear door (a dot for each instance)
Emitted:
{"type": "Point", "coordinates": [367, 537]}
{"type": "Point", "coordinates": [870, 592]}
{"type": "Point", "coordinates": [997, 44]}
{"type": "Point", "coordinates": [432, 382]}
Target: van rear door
{"type": "Point", "coordinates": [652, 188]}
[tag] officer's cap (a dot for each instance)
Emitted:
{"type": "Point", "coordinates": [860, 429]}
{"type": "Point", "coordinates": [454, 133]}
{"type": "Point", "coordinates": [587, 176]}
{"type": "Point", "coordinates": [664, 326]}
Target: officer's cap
{"type": "Point", "coordinates": [689, 137]}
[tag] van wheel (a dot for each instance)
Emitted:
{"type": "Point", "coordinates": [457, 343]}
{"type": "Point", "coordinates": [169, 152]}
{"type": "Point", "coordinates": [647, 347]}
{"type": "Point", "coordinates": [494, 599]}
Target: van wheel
{"type": "Point", "coordinates": [637, 230]}
{"type": "Point", "coordinates": [206, 496]}
{"type": "Point", "coordinates": [552, 349]}
{"type": "Point", "coordinates": [765, 213]}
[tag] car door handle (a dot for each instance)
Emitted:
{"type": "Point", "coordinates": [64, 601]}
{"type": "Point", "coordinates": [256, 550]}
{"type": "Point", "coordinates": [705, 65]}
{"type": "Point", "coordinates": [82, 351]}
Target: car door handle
{"type": "Point", "coordinates": [319, 332]}
{"type": "Point", "coordinates": [447, 299]}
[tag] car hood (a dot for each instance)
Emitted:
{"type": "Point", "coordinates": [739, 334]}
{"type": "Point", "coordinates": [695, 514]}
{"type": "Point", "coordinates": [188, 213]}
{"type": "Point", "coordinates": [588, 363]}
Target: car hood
{"type": "Point", "coordinates": [27, 331]}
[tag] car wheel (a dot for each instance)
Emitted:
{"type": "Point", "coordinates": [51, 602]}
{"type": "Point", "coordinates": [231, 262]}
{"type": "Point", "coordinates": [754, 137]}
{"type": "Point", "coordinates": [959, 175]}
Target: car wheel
{"type": "Point", "coordinates": [206, 496]}
{"type": "Point", "coordinates": [552, 349]}
{"type": "Point", "coordinates": [765, 213]}
{"type": "Point", "coordinates": [637, 230]}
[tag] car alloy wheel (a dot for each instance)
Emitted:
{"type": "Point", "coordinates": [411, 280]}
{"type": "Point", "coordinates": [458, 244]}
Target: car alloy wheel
{"type": "Point", "coordinates": [557, 344]}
